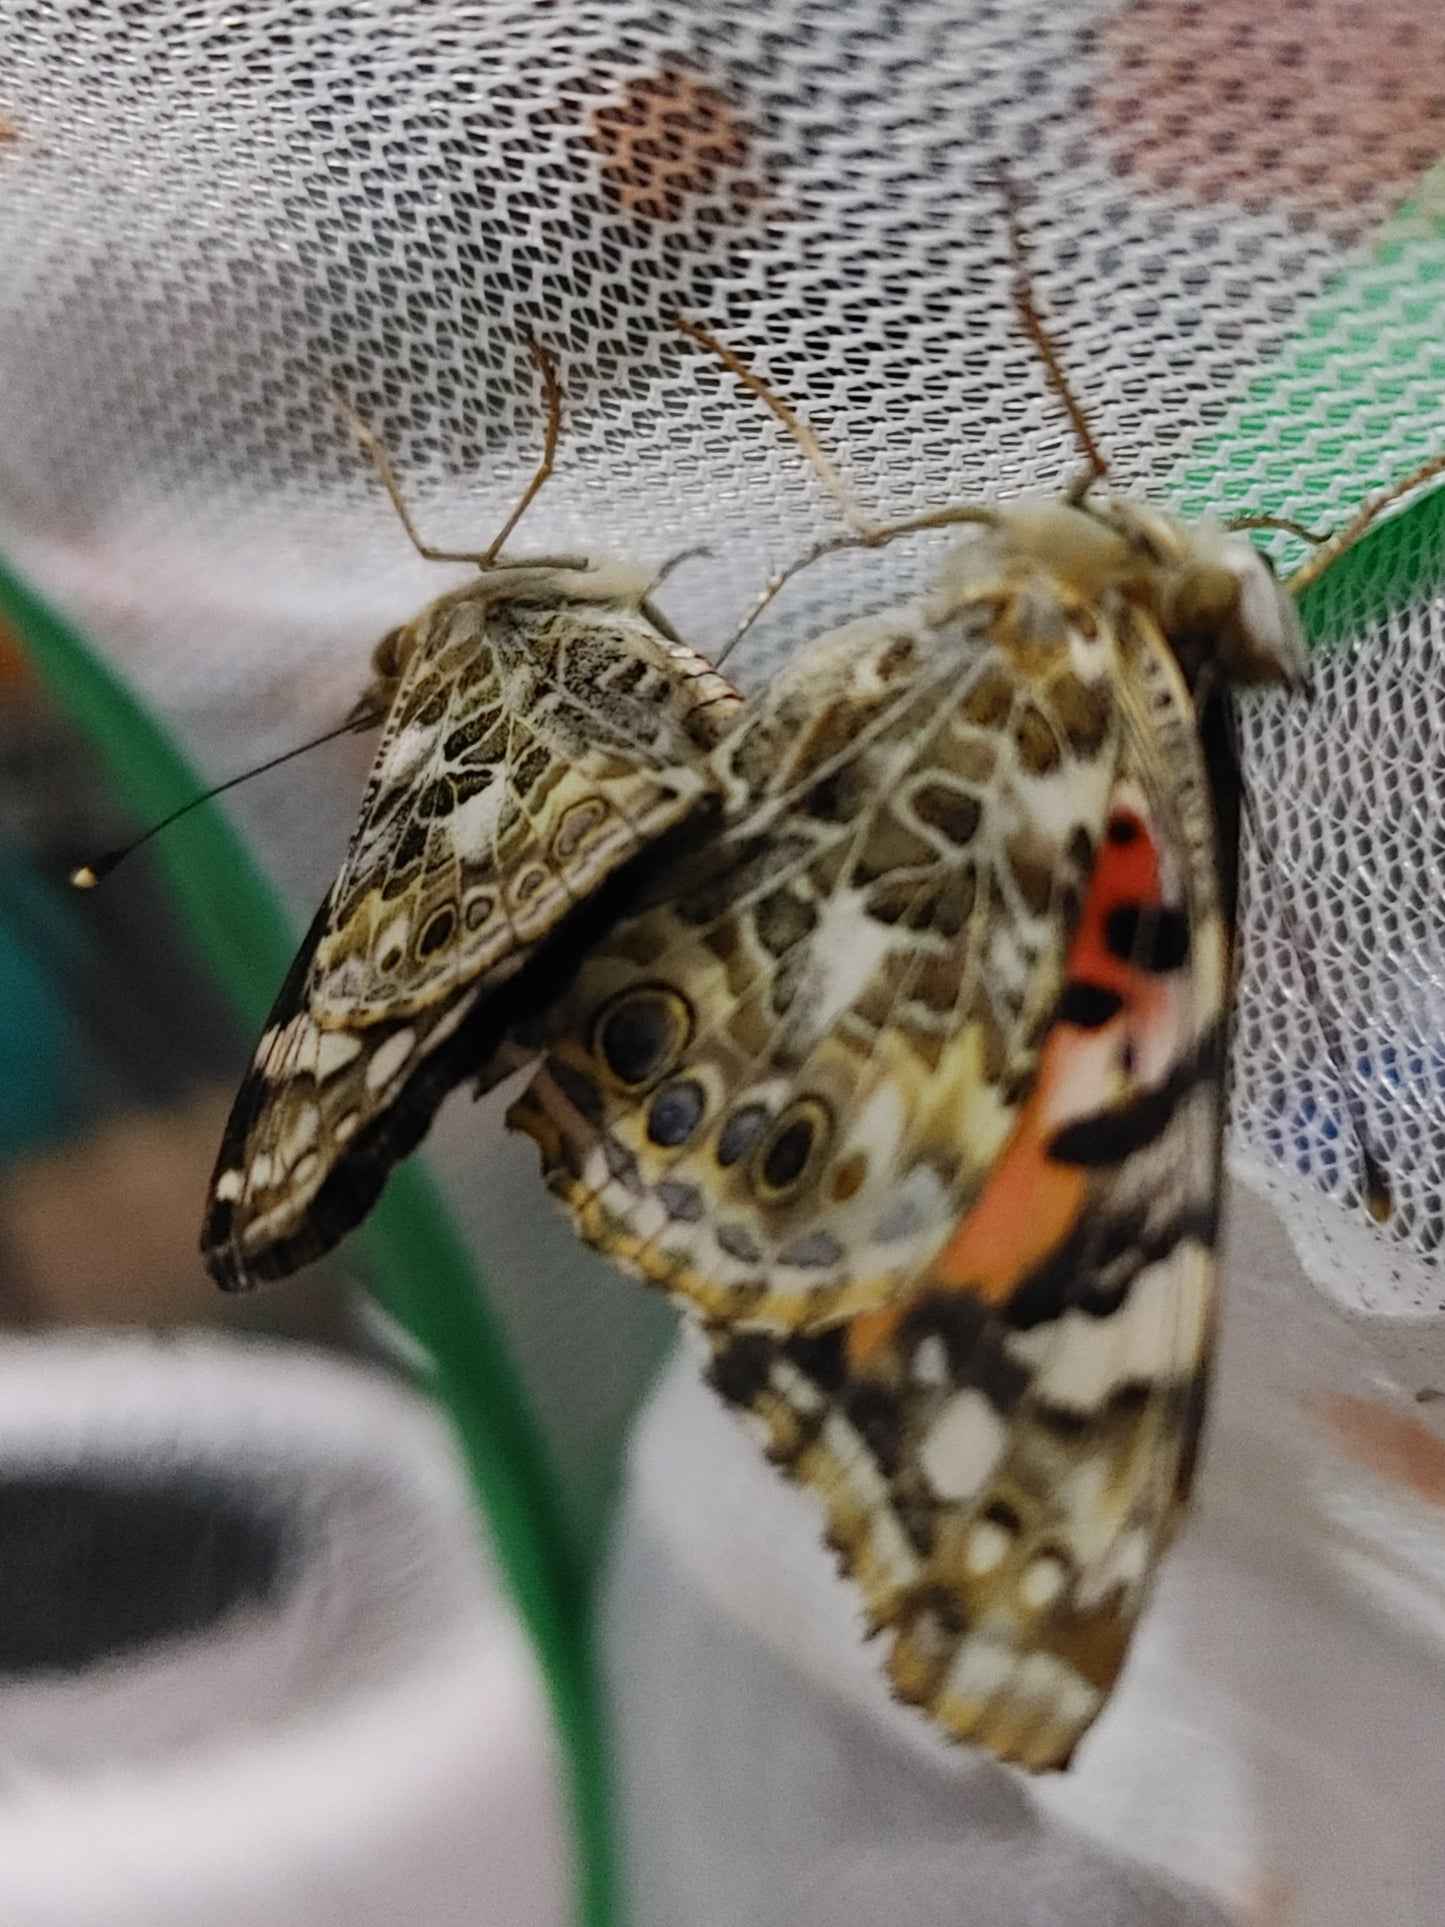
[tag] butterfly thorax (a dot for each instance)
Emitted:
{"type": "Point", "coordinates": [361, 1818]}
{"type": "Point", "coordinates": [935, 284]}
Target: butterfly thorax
{"type": "Point", "coordinates": [1209, 592]}
{"type": "Point", "coordinates": [541, 583]}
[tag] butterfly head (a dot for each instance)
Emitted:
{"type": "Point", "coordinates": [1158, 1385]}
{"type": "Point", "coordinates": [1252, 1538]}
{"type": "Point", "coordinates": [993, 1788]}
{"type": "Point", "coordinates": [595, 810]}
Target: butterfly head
{"type": "Point", "coordinates": [388, 659]}
{"type": "Point", "coordinates": [1216, 597]}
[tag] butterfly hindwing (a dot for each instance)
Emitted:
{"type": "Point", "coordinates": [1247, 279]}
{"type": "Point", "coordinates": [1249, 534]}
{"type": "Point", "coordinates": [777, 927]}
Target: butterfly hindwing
{"type": "Point", "coordinates": [537, 737]}
{"type": "Point", "coordinates": [543, 732]}
{"type": "Point", "coordinates": [777, 1089]}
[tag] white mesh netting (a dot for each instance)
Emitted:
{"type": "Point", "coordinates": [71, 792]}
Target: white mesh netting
{"type": "Point", "coordinates": [1235, 234]}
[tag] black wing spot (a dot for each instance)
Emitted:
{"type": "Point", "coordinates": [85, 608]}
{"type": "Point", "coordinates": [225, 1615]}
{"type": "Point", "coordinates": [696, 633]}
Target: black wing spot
{"type": "Point", "coordinates": [741, 1369]}
{"type": "Point", "coordinates": [641, 1033]}
{"type": "Point", "coordinates": [1089, 1006]}
{"type": "Point", "coordinates": [1156, 940]}
{"type": "Point", "coordinates": [876, 1416]}
{"type": "Point", "coordinates": [823, 1357]}
{"type": "Point", "coordinates": [437, 931]}
{"type": "Point", "coordinates": [796, 1138]}
{"type": "Point", "coordinates": [1107, 1137]}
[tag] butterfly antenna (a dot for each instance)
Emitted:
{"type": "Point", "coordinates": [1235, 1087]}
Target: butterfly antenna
{"type": "Point", "coordinates": [675, 562]}
{"type": "Point", "coordinates": [862, 532]}
{"type": "Point", "coordinates": [877, 537]}
{"type": "Point", "coordinates": [87, 875]}
{"type": "Point", "coordinates": [1022, 289]}
{"type": "Point", "coordinates": [1375, 1188]}
{"type": "Point", "coordinates": [1333, 544]}
{"type": "Point", "coordinates": [1279, 525]}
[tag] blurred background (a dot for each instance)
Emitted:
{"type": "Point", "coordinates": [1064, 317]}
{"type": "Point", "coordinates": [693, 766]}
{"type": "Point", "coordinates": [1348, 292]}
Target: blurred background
{"type": "Point", "coordinates": [584, 1604]}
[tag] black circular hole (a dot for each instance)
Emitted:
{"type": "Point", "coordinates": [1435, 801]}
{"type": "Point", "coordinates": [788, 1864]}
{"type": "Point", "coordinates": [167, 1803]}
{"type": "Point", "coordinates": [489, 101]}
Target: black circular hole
{"type": "Point", "coordinates": [94, 1566]}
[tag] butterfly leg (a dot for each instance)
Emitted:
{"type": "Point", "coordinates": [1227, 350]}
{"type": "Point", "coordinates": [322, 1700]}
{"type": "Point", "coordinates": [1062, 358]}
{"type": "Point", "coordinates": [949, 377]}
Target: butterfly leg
{"type": "Point", "coordinates": [381, 462]}
{"type": "Point", "coordinates": [552, 390]}
{"type": "Point", "coordinates": [1359, 524]}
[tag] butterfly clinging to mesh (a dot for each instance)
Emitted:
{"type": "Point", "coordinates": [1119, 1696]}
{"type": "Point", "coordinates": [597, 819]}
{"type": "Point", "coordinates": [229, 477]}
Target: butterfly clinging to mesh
{"type": "Point", "coordinates": [543, 726]}
{"type": "Point", "coordinates": [908, 1083]}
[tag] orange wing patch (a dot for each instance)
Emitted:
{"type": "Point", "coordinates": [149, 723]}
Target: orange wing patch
{"type": "Point", "coordinates": [1113, 998]}
{"type": "Point", "coordinates": [1033, 1200]}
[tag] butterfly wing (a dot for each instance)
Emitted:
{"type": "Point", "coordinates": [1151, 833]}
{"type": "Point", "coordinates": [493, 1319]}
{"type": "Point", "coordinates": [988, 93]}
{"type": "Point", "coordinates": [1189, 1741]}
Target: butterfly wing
{"type": "Point", "coordinates": [534, 742]}
{"type": "Point", "coordinates": [1003, 1454]}
{"type": "Point", "coordinates": [777, 1089]}
{"type": "Point", "coordinates": [538, 742]}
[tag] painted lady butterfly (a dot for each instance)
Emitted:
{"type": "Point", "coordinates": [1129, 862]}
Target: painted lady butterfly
{"type": "Point", "coordinates": [909, 1083]}
{"type": "Point", "coordinates": [543, 727]}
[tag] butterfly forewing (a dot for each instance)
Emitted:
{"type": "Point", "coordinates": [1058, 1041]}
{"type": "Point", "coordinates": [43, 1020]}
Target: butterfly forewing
{"type": "Point", "coordinates": [534, 741]}
{"type": "Point", "coordinates": [1003, 1453]}
{"type": "Point", "coordinates": [544, 732]}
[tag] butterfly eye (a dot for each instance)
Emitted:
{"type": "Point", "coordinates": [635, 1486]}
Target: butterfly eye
{"type": "Point", "coordinates": [790, 1148]}
{"type": "Point", "coordinates": [640, 1034]}
{"type": "Point", "coordinates": [389, 657]}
